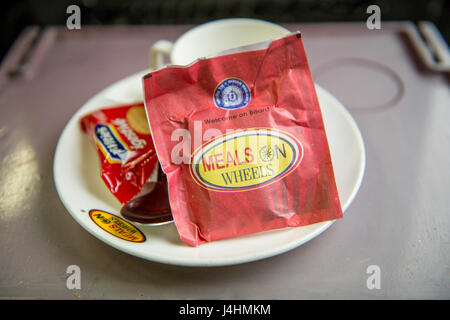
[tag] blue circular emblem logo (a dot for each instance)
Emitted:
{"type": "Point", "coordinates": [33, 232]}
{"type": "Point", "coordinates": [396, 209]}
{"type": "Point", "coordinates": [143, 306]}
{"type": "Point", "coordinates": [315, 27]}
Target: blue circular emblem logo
{"type": "Point", "coordinates": [232, 93]}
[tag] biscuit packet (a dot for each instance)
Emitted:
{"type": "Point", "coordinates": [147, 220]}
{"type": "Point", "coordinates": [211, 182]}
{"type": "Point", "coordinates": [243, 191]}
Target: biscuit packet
{"type": "Point", "coordinates": [125, 148]}
{"type": "Point", "coordinates": [241, 139]}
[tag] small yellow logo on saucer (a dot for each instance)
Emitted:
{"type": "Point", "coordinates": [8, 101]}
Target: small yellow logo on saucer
{"type": "Point", "coordinates": [116, 226]}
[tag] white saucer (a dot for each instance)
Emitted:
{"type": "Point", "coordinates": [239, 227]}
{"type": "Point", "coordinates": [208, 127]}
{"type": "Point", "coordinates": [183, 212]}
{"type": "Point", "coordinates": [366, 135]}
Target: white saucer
{"type": "Point", "coordinates": [78, 182]}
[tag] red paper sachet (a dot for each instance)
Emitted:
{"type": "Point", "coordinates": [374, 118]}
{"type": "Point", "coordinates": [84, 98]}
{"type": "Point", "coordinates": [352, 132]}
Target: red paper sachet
{"type": "Point", "coordinates": [242, 141]}
{"type": "Point", "coordinates": [125, 148]}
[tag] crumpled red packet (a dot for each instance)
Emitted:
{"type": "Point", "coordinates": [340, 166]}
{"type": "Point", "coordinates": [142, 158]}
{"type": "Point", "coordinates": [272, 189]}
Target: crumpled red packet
{"type": "Point", "coordinates": [125, 148]}
{"type": "Point", "coordinates": [242, 141]}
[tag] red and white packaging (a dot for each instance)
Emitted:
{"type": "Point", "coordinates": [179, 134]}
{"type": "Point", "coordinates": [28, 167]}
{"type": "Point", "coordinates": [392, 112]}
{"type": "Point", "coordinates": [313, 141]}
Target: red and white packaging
{"type": "Point", "coordinates": [242, 141]}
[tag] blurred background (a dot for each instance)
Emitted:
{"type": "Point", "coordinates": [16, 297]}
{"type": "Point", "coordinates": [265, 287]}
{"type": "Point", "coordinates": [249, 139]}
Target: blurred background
{"type": "Point", "coordinates": [18, 14]}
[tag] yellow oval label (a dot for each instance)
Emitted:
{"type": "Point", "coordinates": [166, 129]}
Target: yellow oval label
{"type": "Point", "coordinates": [116, 226]}
{"type": "Point", "coordinates": [246, 160]}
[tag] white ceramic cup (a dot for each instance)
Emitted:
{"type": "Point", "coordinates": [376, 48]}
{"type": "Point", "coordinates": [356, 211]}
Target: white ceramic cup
{"type": "Point", "coordinates": [212, 37]}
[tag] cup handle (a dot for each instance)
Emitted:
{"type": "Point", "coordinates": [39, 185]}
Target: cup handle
{"type": "Point", "coordinates": [157, 52]}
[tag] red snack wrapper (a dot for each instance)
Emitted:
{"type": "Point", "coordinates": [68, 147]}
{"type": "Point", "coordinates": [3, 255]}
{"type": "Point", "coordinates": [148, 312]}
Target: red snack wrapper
{"type": "Point", "coordinates": [242, 141]}
{"type": "Point", "coordinates": [125, 148]}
